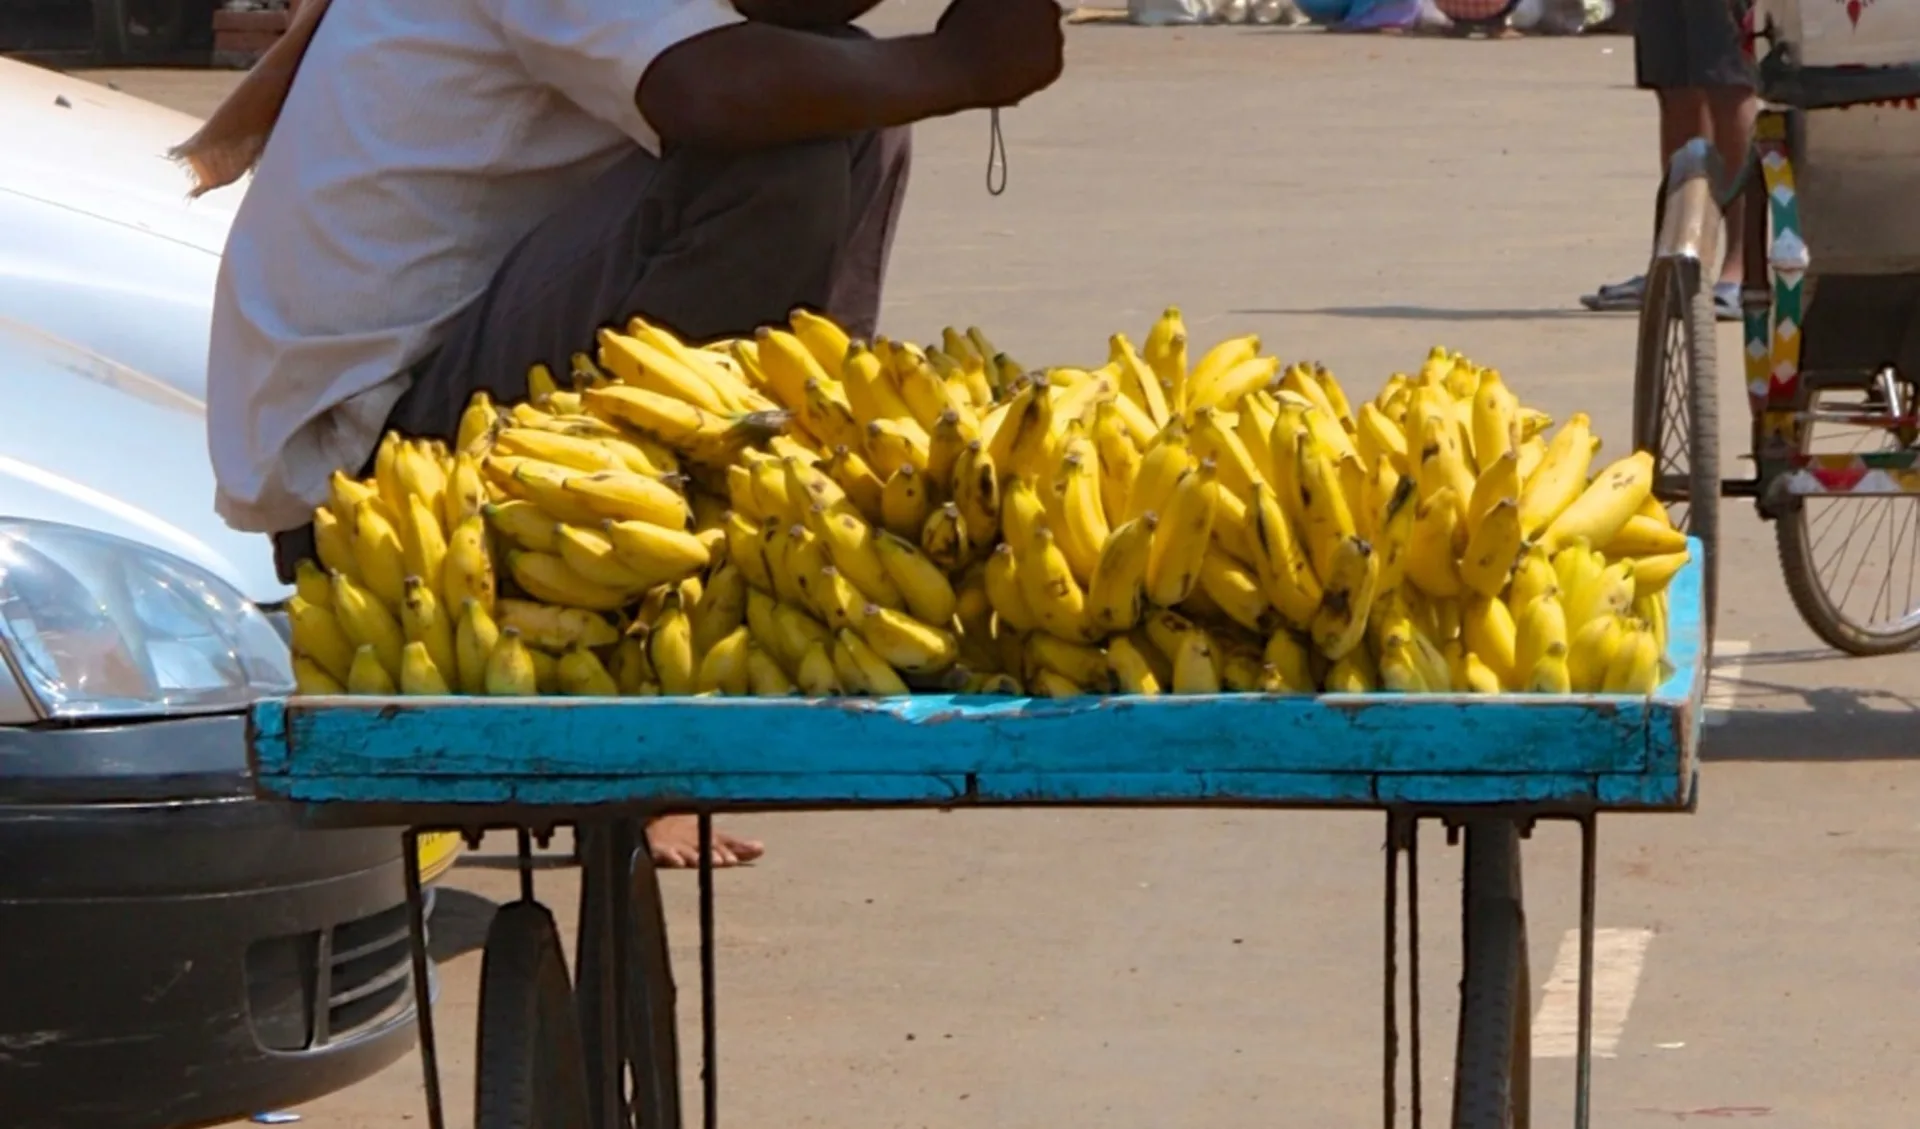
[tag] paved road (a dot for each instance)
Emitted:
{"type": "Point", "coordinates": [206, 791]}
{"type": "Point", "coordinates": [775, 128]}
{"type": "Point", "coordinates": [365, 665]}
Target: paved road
{"type": "Point", "coordinates": [1354, 200]}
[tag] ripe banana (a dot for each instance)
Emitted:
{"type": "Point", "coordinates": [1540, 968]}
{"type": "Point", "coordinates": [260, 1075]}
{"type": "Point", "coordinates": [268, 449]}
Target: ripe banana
{"type": "Point", "coordinates": [1492, 550]}
{"type": "Point", "coordinates": [422, 621]}
{"type": "Point", "coordinates": [1235, 591]}
{"type": "Point", "coordinates": [1560, 478]}
{"type": "Point", "coordinates": [1286, 575]}
{"type": "Point", "coordinates": [1430, 562]}
{"type": "Point", "coordinates": [1131, 671]}
{"type": "Point", "coordinates": [1326, 520]}
{"type": "Point", "coordinates": [549, 578]}
{"type": "Point", "coordinates": [366, 622]}
{"type": "Point", "coordinates": [1490, 633]}
{"type": "Point", "coordinates": [1352, 576]}
{"type": "Point", "coordinates": [1116, 593]}
{"type": "Point", "coordinates": [944, 538]}
{"type": "Point", "coordinates": [1601, 511]}
{"type": "Point", "coordinates": [419, 675]}
{"type": "Point", "coordinates": [904, 502]}
{"type": "Point", "coordinates": [1286, 655]}
{"type": "Point", "coordinates": [1057, 601]}
{"type": "Point", "coordinates": [1194, 666]}
{"type": "Point", "coordinates": [928, 594]}
{"type": "Point", "coordinates": [1539, 629]}
{"type": "Point", "coordinates": [468, 572]}
{"type": "Point", "coordinates": [368, 675]}
{"type": "Point", "coordinates": [1007, 592]}
{"type": "Point", "coordinates": [1644, 536]}
{"type": "Point", "coordinates": [861, 670]}
{"type": "Point", "coordinates": [510, 668]}
{"type": "Point", "coordinates": [317, 635]}
{"type": "Point", "coordinates": [1180, 541]}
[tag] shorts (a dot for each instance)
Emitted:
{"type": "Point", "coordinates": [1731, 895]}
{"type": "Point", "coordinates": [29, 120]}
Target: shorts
{"type": "Point", "coordinates": [1679, 44]}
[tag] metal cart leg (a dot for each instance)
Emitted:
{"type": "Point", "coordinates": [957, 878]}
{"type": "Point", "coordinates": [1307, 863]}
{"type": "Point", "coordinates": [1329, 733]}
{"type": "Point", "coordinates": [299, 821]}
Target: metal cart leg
{"type": "Point", "coordinates": [653, 1047]}
{"type": "Point", "coordinates": [1403, 835]}
{"type": "Point", "coordinates": [1493, 1012]}
{"type": "Point", "coordinates": [422, 977]}
{"type": "Point", "coordinates": [1583, 1054]}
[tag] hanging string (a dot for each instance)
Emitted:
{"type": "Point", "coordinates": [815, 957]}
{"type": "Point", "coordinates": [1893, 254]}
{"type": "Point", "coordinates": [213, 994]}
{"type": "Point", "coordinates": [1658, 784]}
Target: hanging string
{"type": "Point", "coordinates": [996, 156]}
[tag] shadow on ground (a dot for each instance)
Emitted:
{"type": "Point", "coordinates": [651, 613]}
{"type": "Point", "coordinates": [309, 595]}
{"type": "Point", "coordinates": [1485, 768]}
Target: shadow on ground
{"type": "Point", "coordinates": [1418, 313]}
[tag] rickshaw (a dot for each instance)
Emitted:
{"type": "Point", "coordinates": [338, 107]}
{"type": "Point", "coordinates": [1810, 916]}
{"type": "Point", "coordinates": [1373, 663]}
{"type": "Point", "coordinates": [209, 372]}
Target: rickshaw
{"type": "Point", "coordinates": [1830, 321]}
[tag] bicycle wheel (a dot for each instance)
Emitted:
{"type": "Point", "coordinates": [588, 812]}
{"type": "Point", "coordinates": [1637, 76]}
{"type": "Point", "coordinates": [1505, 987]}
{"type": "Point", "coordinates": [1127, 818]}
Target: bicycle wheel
{"type": "Point", "coordinates": [529, 1070]}
{"type": "Point", "coordinates": [1850, 562]}
{"type": "Point", "coordinates": [1676, 408]}
{"type": "Point", "coordinates": [1493, 1057]}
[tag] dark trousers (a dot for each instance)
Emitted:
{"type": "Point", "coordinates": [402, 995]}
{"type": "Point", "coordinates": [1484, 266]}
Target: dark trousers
{"type": "Point", "coordinates": [707, 244]}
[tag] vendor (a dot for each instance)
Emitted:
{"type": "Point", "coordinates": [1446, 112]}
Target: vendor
{"type": "Point", "coordinates": [453, 190]}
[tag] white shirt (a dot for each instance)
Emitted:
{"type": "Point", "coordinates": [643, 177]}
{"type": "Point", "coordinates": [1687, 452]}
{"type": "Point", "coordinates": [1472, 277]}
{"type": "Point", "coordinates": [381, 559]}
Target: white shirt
{"type": "Point", "coordinates": [420, 142]}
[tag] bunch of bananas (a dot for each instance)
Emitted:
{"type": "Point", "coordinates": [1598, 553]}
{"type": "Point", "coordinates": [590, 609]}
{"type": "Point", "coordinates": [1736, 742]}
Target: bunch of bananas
{"type": "Point", "coordinates": [802, 513]}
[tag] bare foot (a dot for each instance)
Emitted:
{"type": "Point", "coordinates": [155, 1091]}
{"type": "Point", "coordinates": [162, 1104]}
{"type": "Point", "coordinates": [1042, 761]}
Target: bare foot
{"type": "Point", "coordinates": [675, 842]}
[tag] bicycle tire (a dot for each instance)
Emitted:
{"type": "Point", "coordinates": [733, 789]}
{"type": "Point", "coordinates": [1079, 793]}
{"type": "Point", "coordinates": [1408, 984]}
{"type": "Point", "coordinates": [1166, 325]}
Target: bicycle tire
{"type": "Point", "coordinates": [1489, 1080]}
{"type": "Point", "coordinates": [1793, 542]}
{"type": "Point", "coordinates": [1677, 294]}
{"type": "Point", "coordinates": [529, 1070]}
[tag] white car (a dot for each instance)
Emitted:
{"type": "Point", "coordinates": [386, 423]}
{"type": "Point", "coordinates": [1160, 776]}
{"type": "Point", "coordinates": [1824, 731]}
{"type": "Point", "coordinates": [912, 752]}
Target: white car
{"type": "Point", "coordinates": [178, 951]}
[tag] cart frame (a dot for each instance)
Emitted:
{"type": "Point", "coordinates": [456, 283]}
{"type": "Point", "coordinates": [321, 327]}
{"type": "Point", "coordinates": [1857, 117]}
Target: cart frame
{"type": "Point", "coordinates": [1487, 768]}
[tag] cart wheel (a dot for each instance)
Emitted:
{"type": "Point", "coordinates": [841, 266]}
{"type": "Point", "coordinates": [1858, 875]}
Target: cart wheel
{"type": "Point", "coordinates": [1849, 562]}
{"type": "Point", "coordinates": [1676, 407]}
{"type": "Point", "coordinates": [530, 1064]}
{"type": "Point", "coordinates": [1493, 1058]}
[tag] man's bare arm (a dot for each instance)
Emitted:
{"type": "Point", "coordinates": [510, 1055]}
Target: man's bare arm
{"type": "Point", "coordinates": [755, 85]}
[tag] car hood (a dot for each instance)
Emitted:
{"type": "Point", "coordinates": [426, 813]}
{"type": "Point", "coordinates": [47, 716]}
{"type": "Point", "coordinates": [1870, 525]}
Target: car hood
{"type": "Point", "coordinates": [94, 443]}
{"type": "Point", "coordinates": [103, 247]}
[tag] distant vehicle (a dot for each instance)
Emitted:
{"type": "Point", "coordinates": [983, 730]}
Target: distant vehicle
{"type": "Point", "coordinates": [177, 951]}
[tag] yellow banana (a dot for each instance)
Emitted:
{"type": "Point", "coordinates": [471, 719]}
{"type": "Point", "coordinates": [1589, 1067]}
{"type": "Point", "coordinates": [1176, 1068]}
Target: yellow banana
{"type": "Point", "coordinates": [944, 538]}
{"type": "Point", "coordinates": [510, 668]}
{"type": "Point", "coordinates": [1326, 520]}
{"type": "Point", "coordinates": [1430, 546]}
{"type": "Point", "coordinates": [1138, 382]}
{"type": "Point", "coordinates": [1611, 592]}
{"type": "Point", "coordinates": [474, 639]}
{"type": "Point", "coordinates": [311, 681]}
{"type": "Point", "coordinates": [1286, 575]}
{"type": "Point", "coordinates": [824, 340]}
{"type": "Point", "coordinates": [722, 607]}
{"type": "Point", "coordinates": [310, 583]}
{"type": "Point", "coordinates": [580, 673]}
{"type": "Point", "coordinates": [1180, 542]}
{"type": "Point", "coordinates": [1540, 627]}
{"type": "Point", "coordinates": [553, 628]}
{"type": "Point", "coordinates": [817, 674]}
{"type": "Point", "coordinates": [1229, 389]}
{"type": "Point", "coordinates": [1116, 593]}
{"type": "Point", "coordinates": [861, 670]}
{"type": "Point", "coordinates": [976, 489]}
{"type": "Point", "coordinates": [419, 675]}
{"type": "Point", "coordinates": [625, 496]}
{"type": "Point", "coordinates": [1082, 527]}
{"type": "Point", "coordinates": [746, 549]}
{"type": "Point", "coordinates": [422, 621]}
{"type": "Point", "coordinates": [928, 594]}
{"type": "Point", "coordinates": [1021, 512]}
{"type": "Point", "coordinates": [1550, 674]}
{"type": "Point", "coordinates": [1533, 575]}
{"type": "Point", "coordinates": [1495, 433]}
{"type": "Point", "coordinates": [1492, 550]}
{"type": "Point", "coordinates": [1479, 677]}
{"type": "Point", "coordinates": [1235, 590]}
{"type": "Point", "coordinates": [318, 636]}
{"type": "Point", "coordinates": [368, 675]}
{"type": "Point", "coordinates": [524, 524]}
{"type": "Point", "coordinates": [1131, 671]}
{"type": "Point", "coordinates": [1498, 482]}
{"type": "Point", "coordinates": [1398, 672]}
{"type": "Point", "coordinates": [1352, 576]}
{"type": "Point", "coordinates": [1653, 574]}
{"type": "Point", "coordinates": [1635, 668]}
{"type": "Point", "coordinates": [1603, 509]}
{"type": "Point", "coordinates": [1085, 666]}
{"type": "Point", "coordinates": [892, 444]}
{"type": "Point", "coordinates": [1194, 669]}
{"type": "Point", "coordinates": [1443, 463]}
{"type": "Point", "coordinates": [1287, 657]}
{"type": "Point", "coordinates": [549, 578]}
{"type": "Point", "coordinates": [904, 502]}
{"type": "Point", "coordinates": [1006, 592]}
{"type": "Point", "coordinates": [1394, 538]}
{"type": "Point", "coordinates": [1591, 651]}
{"type": "Point", "coordinates": [423, 546]}
{"type": "Point", "coordinates": [1056, 599]}
{"type": "Point", "coordinates": [765, 679]}
{"type": "Point", "coordinates": [1160, 470]}
{"type": "Point", "coordinates": [1560, 478]}
{"type": "Point", "coordinates": [1489, 630]}
{"type": "Point", "coordinates": [1644, 536]}
{"type": "Point", "coordinates": [1355, 674]}
{"type": "Point", "coordinates": [948, 440]}
{"type": "Point", "coordinates": [656, 554]}
{"type": "Point", "coordinates": [466, 491]}
{"type": "Point", "coordinates": [849, 541]}
{"type": "Point", "coordinates": [377, 551]}
{"type": "Point", "coordinates": [723, 668]}
{"type": "Point", "coordinates": [1380, 439]}
{"type": "Point", "coordinates": [833, 596]}
{"type": "Point", "coordinates": [366, 622]}
{"type": "Point", "coordinates": [670, 649]}
{"type": "Point", "coordinates": [476, 423]}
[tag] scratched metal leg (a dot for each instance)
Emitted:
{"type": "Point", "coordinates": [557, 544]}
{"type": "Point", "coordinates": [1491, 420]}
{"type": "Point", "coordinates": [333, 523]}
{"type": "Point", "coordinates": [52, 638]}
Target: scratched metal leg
{"type": "Point", "coordinates": [1583, 1055]}
{"type": "Point", "coordinates": [653, 1047]}
{"type": "Point", "coordinates": [709, 1027]}
{"type": "Point", "coordinates": [422, 977]}
{"type": "Point", "coordinates": [596, 984]}
{"type": "Point", "coordinates": [1413, 959]}
{"type": "Point", "coordinates": [1390, 989]}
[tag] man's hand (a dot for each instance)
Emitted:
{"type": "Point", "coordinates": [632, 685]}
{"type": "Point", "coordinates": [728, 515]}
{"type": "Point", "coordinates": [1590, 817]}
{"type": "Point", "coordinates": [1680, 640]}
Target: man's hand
{"type": "Point", "coordinates": [1007, 48]}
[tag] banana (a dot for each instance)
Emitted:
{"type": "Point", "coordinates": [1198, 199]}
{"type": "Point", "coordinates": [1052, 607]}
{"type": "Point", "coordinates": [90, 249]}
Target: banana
{"type": "Point", "coordinates": [1498, 482]}
{"type": "Point", "coordinates": [1235, 591]}
{"type": "Point", "coordinates": [1644, 536]}
{"type": "Point", "coordinates": [1592, 651]}
{"type": "Point", "coordinates": [1056, 599]}
{"type": "Point", "coordinates": [474, 639]}
{"type": "Point", "coordinates": [1130, 669]}
{"type": "Point", "coordinates": [904, 502]}
{"type": "Point", "coordinates": [1216, 362]}
{"type": "Point", "coordinates": [590, 555]}
{"type": "Point", "coordinates": [817, 675]}
{"type": "Point", "coordinates": [368, 675]}
{"type": "Point", "coordinates": [1340, 624]}
{"type": "Point", "coordinates": [1489, 630]}
{"type": "Point", "coordinates": [1399, 512]}
{"type": "Point", "coordinates": [1229, 389]}
{"type": "Point", "coordinates": [723, 668]}
{"type": "Point", "coordinates": [1492, 550]}
{"type": "Point", "coordinates": [765, 679]}
{"type": "Point", "coordinates": [629, 667]}
{"type": "Point", "coordinates": [976, 489]}
{"type": "Point", "coordinates": [892, 444]}
{"type": "Point", "coordinates": [466, 492]}
{"type": "Point", "coordinates": [1047, 684]}
{"type": "Point", "coordinates": [1608, 503]}
{"type": "Point", "coordinates": [1116, 592]}
{"type": "Point", "coordinates": [1286, 575]}
{"type": "Point", "coordinates": [949, 439]}
{"type": "Point", "coordinates": [333, 543]}
{"type": "Point", "coordinates": [311, 681]}
{"type": "Point", "coordinates": [746, 548]}
{"type": "Point", "coordinates": [1379, 439]}
{"type": "Point", "coordinates": [1478, 677]}
{"type": "Point", "coordinates": [510, 668]}
{"type": "Point", "coordinates": [625, 496]}
{"type": "Point", "coordinates": [419, 675]}
{"type": "Point", "coordinates": [1611, 592]}
{"type": "Point", "coordinates": [825, 341]}
{"type": "Point", "coordinates": [1653, 574]}
{"type": "Point", "coordinates": [1540, 627]}
{"type": "Point", "coordinates": [570, 451]}
{"type": "Point", "coordinates": [833, 597]}
{"type": "Point", "coordinates": [1138, 382]}
{"type": "Point", "coordinates": [423, 622]}
{"type": "Point", "coordinates": [1575, 567]}
{"type": "Point", "coordinates": [927, 592]}
{"type": "Point", "coordinates": [1398, 672]}
{"type": "Point", "coordinates": [1160, 470]}
{"type": "Point", "coordinates": [1213, 437]}
{"type": "Point", "coordinates": [476, 423]}
{"type": "Point", "coordinates": [1550, 674]}
{"type": "Point", "coordinates": [721, 609]}
{"type": "Point", "coordinates": [317, 635]}
{"type": "Point", "coordinates": [670, 649]}
{"type": "Point", "coordinates": [1441, 462]}
{"type": "Point", "coordinates": [1180, 541]}
{"type": "Point", "coordinates": [1287, 657]}
{"type": "Point", "coordinates": [796, 629]}
{"type": "Point", "coordinates": [1022, 512]}
{"type": "Point", "coordinates": [1533, 575]}
{"type": "Point", "coordinates": [849, 541]}
{"type": "Point", "coordinates": [1006, 591]}
{"type": "Point", "coordinates": [552, 628]}
{"type": "Point", "coordinates": [655, 554]}
{"type": "Point", "coordinates": [1560, 478]}
{"type": "Point", "coordinates": [1194, 669]}
{"type": "Point", "coordinates": [366, 622]}
{"type": "Point", "coordinates": [1355, 674]}
{"type": "Point", "coordinates": [579, 673]}
{"type": "Point", "coordinates": [944, 538]}
{"type": "Point", "coordinates": [1082, 527]}
{"type": "Point", "coordinates": [862, 671]}
{"type": "Point", "coordinates": [1326, 519]}
{"type": "Point", "coordinates": [549, 578]}
{"type": "Point", "coordinates": [377, 552]}
{"type": "Point", "coordinates": [1495, 409]}
{"type": "Point", "coordinates": [1430, 554]}
{"type": "Point", "coordinates": [1085, 666]}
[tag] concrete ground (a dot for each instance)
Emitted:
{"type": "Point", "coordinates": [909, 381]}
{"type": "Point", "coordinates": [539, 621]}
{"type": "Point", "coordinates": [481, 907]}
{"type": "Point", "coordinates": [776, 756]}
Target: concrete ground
{"type": "Point", "coordinates": [1354, 200]}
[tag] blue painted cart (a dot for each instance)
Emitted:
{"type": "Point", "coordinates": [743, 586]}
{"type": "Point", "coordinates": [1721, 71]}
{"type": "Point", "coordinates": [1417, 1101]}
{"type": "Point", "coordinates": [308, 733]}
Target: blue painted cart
{"type": "Point", "coordinates": [602, 1052]}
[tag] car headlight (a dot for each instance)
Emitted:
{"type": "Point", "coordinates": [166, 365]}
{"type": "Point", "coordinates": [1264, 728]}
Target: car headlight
{"type": "Point", "coordinates": [98, 626]}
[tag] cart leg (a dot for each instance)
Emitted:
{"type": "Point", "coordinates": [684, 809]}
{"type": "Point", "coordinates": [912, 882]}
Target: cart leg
{"type": "Point", "coordinates": [422, 976]}
{"type": "Point", "coordinates": [597, 964]}
{"type": "Point", "coordinates": [1413, 964]}
{"type": "Point", "coordinates": [1493, 1013]}
{"type": "Point", "coordinates": [1390, 990]}
{"type": "Point", "coordinates": [1403, 837]}
{"type": "Point", "coordinates": [1583, 1054]}
{"type": "Point", "coordinates": [653, 1047]}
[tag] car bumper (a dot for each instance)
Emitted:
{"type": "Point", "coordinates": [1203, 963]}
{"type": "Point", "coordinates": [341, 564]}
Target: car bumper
{"type": "Point", "coordinates": [178, 951]}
